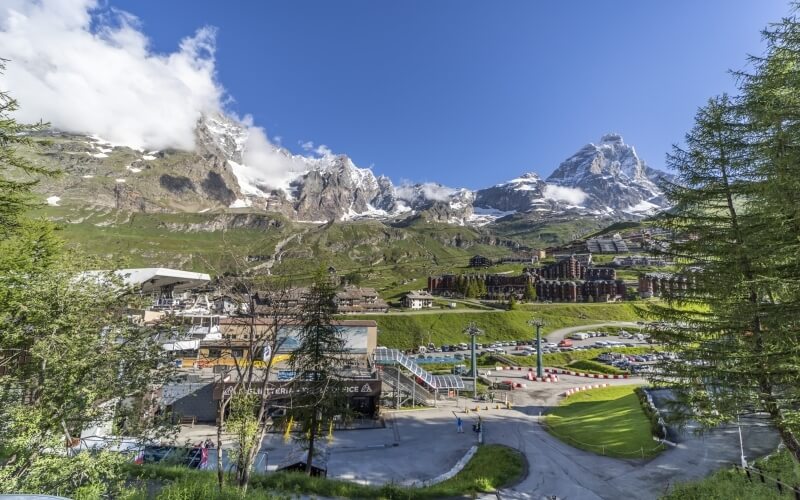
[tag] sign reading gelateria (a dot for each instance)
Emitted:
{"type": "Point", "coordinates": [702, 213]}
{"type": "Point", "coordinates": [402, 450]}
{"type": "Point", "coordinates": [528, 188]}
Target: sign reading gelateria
{"type": "Point", "coordinates": [350, 387]}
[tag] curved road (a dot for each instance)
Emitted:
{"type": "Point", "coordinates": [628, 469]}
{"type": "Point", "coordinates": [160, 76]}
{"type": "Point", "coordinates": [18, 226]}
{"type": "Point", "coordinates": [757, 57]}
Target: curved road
{"type": "Point", "coordinates": [557, 469]}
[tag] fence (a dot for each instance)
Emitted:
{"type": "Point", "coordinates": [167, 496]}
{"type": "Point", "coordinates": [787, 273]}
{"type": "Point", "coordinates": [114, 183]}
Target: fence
{"type": "Point", "coordinates": [755, 474]}
{"type": "Point", "coordinates": [603, 448]}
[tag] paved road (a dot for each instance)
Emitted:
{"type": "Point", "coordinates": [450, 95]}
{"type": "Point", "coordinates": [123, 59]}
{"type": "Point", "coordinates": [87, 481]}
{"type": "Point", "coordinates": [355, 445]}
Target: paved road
{"type": "Point", "coordinates": [569, 473]}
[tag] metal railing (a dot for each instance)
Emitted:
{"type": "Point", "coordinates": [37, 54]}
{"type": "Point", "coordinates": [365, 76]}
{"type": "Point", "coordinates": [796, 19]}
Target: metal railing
{"type": "Point", "coordinates": [391, 356]}
{"type": "Point", "coordinates": [394, 378]}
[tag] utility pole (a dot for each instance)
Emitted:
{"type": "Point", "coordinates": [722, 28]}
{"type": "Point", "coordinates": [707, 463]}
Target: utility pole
{"type": "Point", "coordinates": [473, 331]}
{"type": "Point", "coordinates": [741, 444]}
{"type": "Point", "coordinates": [538, 323]}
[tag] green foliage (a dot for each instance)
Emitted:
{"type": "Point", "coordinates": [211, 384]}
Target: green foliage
{"type": "Point", "coordinates": [446, 326]}
{"type": "Point", "coordinates": [736, 219]}
{"type": "Point", "coordinates": [84, 475]}
{"type": "Point", "coordinates": [69, 353]}
{"type": "Point", "coordinates": [591, 366]}
{"type": "Point", "coordinates": [316, 362]}
{"type": "Point", "coordinates": [15, 196]}
{"type": "Point", "coordinates": [608, 421]}
{"type": "Point", "coordinates": [512, 303]}
{"type": "Point", "coordinates": [655, 426]}
{"type": "Point", "coordinates": [242, 423]}
{"type": "Point", "coordinates": [728, 484]}
{"type": "Point", "coordinates": [530, 293]}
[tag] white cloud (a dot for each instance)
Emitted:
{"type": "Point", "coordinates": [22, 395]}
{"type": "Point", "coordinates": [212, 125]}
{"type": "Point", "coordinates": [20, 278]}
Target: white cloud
{"type": "Point", "coordinates": [89, 69]}
{"type": "Point", "coordinates": [86, 68]}
{"type": "Point", "coordinates": [267, 165]}
{"type": "Point", "coordinates": [307, 146]}
{"type": "Point", "coordinates": [428, 190]}
{"type": "Point", "coordinates": [323, 150]}
{"type": "Point", "coordinates": [573, 196]}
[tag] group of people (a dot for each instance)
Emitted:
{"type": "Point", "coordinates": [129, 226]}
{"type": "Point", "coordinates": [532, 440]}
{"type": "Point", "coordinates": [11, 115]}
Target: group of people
{"type": "Point", "coordinates": [460, 425]}
{"type": "Point", "coordinates": [204, 446]}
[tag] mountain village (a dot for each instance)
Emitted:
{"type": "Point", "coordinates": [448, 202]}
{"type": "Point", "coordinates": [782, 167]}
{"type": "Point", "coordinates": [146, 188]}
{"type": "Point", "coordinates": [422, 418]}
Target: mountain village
{"type": "Point", "coordinates": [192, 308]}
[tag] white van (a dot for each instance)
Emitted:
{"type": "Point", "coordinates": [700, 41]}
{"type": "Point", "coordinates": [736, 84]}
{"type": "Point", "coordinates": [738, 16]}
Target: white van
{"type": "Point", "coordinates": [579, 336]}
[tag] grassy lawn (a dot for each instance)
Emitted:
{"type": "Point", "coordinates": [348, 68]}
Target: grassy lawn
{"type": "Point", "coordinates": [729, 484]}
{"type": "Point", "coordinates": [608, 421]}
{"type": "Point", "coordinates": [405, 331]}
{"type": "Point", "coordinates": [491, 468]}
{"type": "Point", "coordinates": [590, 366]}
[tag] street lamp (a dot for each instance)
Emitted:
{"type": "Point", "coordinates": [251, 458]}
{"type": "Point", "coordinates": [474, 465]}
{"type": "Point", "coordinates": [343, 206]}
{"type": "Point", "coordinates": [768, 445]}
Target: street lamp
{"type": "Point", "coordinates": [538, 323]}
{"type": "Point", "coordinates": [473, 331]}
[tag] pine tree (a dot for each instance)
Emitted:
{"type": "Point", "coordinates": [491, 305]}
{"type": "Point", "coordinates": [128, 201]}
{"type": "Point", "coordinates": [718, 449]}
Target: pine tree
{"type": "Point", "coordinates": [721, 311]}
{"type": "Point", "coordinates": [530, 293]}
{"type": "Point", "coordinates": [316, 363]}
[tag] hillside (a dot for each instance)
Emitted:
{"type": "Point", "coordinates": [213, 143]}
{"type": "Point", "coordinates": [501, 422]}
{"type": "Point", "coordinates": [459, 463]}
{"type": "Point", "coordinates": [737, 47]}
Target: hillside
{"type": "Point", "coordinates": [406, 331]}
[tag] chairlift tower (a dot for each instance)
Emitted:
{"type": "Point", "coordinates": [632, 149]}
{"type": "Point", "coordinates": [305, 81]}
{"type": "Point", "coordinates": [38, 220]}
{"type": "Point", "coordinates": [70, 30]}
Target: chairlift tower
{"type": "Point", "coordinates": [473, 331]}
{"type": "Point", "coordinates": [538, 323]}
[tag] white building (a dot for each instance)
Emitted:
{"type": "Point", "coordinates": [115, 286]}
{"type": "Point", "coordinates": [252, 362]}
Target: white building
{"type": "Point", "coordinates": [417, 300]}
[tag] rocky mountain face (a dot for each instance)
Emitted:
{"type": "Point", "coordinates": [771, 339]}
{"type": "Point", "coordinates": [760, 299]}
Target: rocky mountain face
{"type": "Point", "coordinates": [527, 192]}
{"type": "Point", "coordinates": [606, 178]}
{"type": "Point", "coordinates": [612, 176]}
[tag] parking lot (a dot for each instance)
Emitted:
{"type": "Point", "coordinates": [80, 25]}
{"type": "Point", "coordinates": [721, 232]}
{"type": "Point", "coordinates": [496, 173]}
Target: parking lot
{"type": "Point", "coordinates": [574, 341]}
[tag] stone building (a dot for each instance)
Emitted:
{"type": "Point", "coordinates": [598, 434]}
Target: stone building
{"type": "Point", "coordinates": [497, 286]}
{"type": "Point", "coordinates": [658, 284]}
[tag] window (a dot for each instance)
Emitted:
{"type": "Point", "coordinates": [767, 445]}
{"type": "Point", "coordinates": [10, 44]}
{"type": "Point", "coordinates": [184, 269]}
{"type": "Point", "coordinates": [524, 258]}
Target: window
{"type": "Point", "coordinates": [215, 353]}
{"type": "Point", "coordinates": [237, 353]}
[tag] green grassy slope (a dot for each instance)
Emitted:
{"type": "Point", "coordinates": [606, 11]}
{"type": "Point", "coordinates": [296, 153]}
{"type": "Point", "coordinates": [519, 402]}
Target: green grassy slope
{"type": "Point", "coordinates": [405, 331]}
{"type": "Point", "coordinates": [386, 257]}
{"type": "Point", "coordinates": [608, 421]}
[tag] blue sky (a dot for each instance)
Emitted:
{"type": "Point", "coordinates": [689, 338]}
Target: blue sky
{"type": "Point", "coordinates": [469, 93]}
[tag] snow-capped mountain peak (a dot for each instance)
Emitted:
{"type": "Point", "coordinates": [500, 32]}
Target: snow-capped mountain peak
{"type": "Point", "coordinates": [612, 175]}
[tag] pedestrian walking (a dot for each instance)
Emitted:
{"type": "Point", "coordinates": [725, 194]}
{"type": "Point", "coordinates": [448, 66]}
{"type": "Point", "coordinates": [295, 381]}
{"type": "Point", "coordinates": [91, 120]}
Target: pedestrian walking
{"type": "Point", "coordinates": [460, 425]}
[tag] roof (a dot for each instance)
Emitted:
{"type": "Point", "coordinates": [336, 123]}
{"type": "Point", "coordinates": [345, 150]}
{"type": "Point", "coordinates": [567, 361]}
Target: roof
{"type": "Point", "coordinates": [245, 321]}
{"type": "Point", "coordinates": [418, 295]}
{"type": "Point", "coordinates": [153, 278]}
{"type": "Point", "coordinates": [356, 293]}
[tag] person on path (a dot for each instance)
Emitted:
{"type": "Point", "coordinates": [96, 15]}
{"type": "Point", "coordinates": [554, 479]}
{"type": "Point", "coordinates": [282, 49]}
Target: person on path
{"type": "Point", "coordinates": [460, 425]}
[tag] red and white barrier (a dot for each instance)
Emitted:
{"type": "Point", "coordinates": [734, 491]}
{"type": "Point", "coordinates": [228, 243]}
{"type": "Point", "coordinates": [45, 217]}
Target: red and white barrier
{"type": "Point", "coordinates": [565, 372]}
{"type": "Point", "coordinates": [569, 392]}
{"type": "Point", "coordinates": [581, 374]}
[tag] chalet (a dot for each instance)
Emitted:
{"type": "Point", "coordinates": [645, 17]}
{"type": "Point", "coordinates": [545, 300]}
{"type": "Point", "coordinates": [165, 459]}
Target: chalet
{"type": "Point", "coordinates": [417, 300]}
{"type": "Point", "coordinates": [355, 300]}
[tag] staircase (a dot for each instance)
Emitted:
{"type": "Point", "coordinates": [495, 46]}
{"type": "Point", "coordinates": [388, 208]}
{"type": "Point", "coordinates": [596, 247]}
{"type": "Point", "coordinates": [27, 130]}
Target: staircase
{"type": "Point", "coordinates": [396, 380]}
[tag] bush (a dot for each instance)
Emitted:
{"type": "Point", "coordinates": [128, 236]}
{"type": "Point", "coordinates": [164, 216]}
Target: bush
{"type": "Point", "coordinates": [594, 367]}
{"type": "Point", "coordinates": [652, 414]}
